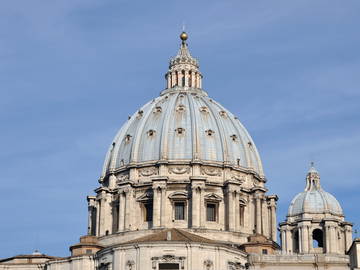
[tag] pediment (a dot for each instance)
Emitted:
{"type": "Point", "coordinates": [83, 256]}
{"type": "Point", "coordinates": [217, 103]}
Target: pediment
{"type": "Point", "coordinates": [178, 195]}
{"type": "Point", "coordinates": [213, 197]}
{"type": "Point", "coordinates": [145, 197]}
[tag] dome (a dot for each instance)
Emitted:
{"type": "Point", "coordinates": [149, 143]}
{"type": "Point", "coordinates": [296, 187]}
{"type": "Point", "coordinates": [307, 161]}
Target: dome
{"type": "Point", "coordinates": [183, 125]}
{"type": "Point", "coordinates": [314, 200]}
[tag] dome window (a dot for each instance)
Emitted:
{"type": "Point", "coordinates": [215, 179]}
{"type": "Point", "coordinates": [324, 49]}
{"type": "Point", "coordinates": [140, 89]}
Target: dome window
{"type": "Point", "coordinates": [180, 131]}
{"type": "Point", "coordinates": [204, 109]}
{"type": "Point", "coordinates": [180, 108]}
{"type": "Point", "coordinates": [234, 137]}
{"type": "Point", "coordinates": [140, 114]}
{"type": "Point", "coordinates": [250, 144]}
{"type": "Point", "coordinates": [223, 114]}
{"type": "Point", "coordinates": [157, 109]}
{"type": "Point", "coordinates": [128, 138]}
{"type": "Point", "coordinates": [210, 132]}
{"type": "Point", "coordinates": [151, 132]}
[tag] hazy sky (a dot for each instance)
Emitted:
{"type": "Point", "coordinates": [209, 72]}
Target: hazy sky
{"type": "Point", "coordinates": [71, 71]}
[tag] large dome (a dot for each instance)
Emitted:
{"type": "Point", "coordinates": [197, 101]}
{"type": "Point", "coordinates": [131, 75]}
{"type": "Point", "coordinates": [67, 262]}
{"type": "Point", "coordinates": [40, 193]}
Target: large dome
{"type": "Point", "coordinates": [183, 126]}
{"type": "Point", "coordinates": [314, 200]}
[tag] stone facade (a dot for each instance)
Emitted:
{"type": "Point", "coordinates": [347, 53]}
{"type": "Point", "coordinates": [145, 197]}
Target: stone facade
{"type": "Point", "coordinates": [183, 187]}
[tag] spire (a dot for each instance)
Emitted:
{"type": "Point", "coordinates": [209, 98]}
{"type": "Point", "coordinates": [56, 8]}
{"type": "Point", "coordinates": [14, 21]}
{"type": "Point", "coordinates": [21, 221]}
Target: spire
{"type": "Point", "coordinates": [183, 68]}
{"type": "Point", "coordinates": [312, 179]}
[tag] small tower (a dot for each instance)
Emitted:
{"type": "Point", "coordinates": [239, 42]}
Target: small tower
{"type": "Point", "coordinates": [184, 69]}
{"type": "Point", "coordinates": [315, 222]}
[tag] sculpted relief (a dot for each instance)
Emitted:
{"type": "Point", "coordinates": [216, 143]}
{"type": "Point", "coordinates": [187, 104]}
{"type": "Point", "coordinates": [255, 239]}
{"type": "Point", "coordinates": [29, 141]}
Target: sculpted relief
{"type": "Point", "coordinates": [148, 171]}
{"type": "Point", "coordinates": [211, 171]}
{"type": "Point", "coordinates": [179, 170]}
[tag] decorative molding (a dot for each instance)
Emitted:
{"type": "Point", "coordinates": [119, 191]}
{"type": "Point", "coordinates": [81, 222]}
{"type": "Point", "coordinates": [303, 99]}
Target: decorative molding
{"type": "Point", "coordinates": [130, 265]}
{"type": "Point", "coordinates": [178, 195]}
{"type": "Point", "coordinates": [168, 259]}
{"type": "Point", "coordinates": [179, 169]}
{"type": "Point", "coordinates": [213, 197]}
{"type": "Point", "coordinates": [147, 196]}
{"type": "Point", "coordinates": [211, 171]}
{"type": "Point", "coordinates": [235, 266]}
{"type": "Point", "coordinates": [122, 178]}
{"type": "Point", "coordinates": [148, 171]}
{"type": "Point", "coordinates": [238, 177]}
{"type": "Point", "coordinates": [208, 264]}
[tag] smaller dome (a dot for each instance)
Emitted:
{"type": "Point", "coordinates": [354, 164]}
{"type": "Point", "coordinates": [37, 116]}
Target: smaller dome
{"type": "Point", "coordinates": [314, 200]}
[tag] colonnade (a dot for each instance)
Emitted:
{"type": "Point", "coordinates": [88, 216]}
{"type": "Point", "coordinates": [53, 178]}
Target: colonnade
{"type": "Point", "coordinates": [336, 237]}
{"type": "Point", "coordinates": [235, 210]}
{"type": "Point", "coordinates": [184, 77]}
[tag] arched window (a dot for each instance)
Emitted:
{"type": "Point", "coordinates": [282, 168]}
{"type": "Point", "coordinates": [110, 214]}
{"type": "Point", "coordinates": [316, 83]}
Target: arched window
{"type": "Point", "coordinates": [242, 212]}
{"type": "Point", "coordinates": [296, 241]}
{"type": "Point", "coordinates": [318, 240]}
{"type": "Point", "coordinates": [183, 78]}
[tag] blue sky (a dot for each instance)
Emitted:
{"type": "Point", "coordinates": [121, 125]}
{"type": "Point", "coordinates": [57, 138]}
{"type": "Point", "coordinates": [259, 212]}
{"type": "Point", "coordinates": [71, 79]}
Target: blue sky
{"type": "Point", "coordinates": [71, 71]}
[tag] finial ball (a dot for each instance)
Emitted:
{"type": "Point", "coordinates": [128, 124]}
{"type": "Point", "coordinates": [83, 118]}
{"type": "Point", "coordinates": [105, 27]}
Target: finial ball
{"type": "Point", "coordinates": [183, 36]}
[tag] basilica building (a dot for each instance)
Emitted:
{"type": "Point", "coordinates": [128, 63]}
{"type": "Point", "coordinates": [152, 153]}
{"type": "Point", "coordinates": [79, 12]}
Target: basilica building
{"type": "Point", "coordinates": [183, 187]}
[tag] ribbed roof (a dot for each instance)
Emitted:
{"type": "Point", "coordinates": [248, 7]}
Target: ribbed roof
{"type": "Point", "coordinates": [314, 200]}
{"type": "Point", "coordinates": [183, 126]}
{"type": "Point", "coordinates": [172, 235]}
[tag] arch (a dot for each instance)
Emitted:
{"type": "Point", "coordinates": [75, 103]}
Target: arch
{"type": "Point", "coordinates": [318, 238]}
{"type": "Point", "coordinates": [183, 78]}
{"type": "Point", "coordinates": [296, 245]}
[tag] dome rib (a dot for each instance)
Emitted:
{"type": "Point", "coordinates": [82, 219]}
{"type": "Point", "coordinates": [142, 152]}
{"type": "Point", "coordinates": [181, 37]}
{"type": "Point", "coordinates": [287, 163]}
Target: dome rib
{"type": "Point", "coordinates": [164, 152]}
{"type": "Point", "coordinates": [314, 200]}
{"type": "Point", "coordinates": [140, 132]}
{"type": "Point", "coordinates": [220, 128]}
{"type": "Point", "coordinates": [196, 151]}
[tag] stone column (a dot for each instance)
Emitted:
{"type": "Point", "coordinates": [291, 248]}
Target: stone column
{"type": "Point", "coordinates": [202, 209]}
{"type": "Point", "coordinates": [128, 208]}
{"type": "Point", "coordinates": [102, 213]}
{"type": "Point", "coordinates": [156, 206]}
{"type": "Point", "coordinates": [300, 240]}
{"type": "Point", "coordinates": [168, 80]}
{"type": "Point", "coordinates": [121, 214]}
{"type": "Point", "coordinates": [192, 76]}
{"type": "Point", "coordinates": [197, 200]}
{"type": "Point", "coordinates": [163, 207]}
{"type": "Point", "coordinates": [305, 239]}
{"type": "Point", "coordinates": [186, 78]}
{"type": "Point", "coordinates": [289, 241]}
{"type": "Point", "coordinates": [258, 213]}
{"type": "Point", "coordinates": [283, 240]}
{"type": "Point", "coordinates": [265, 218]}
{"type": "Point", "coordinates": [108, 215]}
{"type": "Point", "coordinates": [230, 209]}
{"type": "Point", "coordinates": [197, 80]}
{"type": "Point", "coordinates": [159, 200]}
{"type": "Point", "coordinates": [327, 238]}
{"type": "Point", "coordinates": [348, 236]}
{"type": "Point", "coordinates": [333, 242]}
{"type": "Point", "coordinates": [97, 230]}
{"type": "Point", "coordinates": [91, 218]}
{"type": "Point", "coordinates": [180, 78]}
{"type": "Point", "coordinates": [273, 221]}
{"type": "Point", "coordinates": [173, 79]}
{"type": "Point", "coordinates": [237, 211]}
